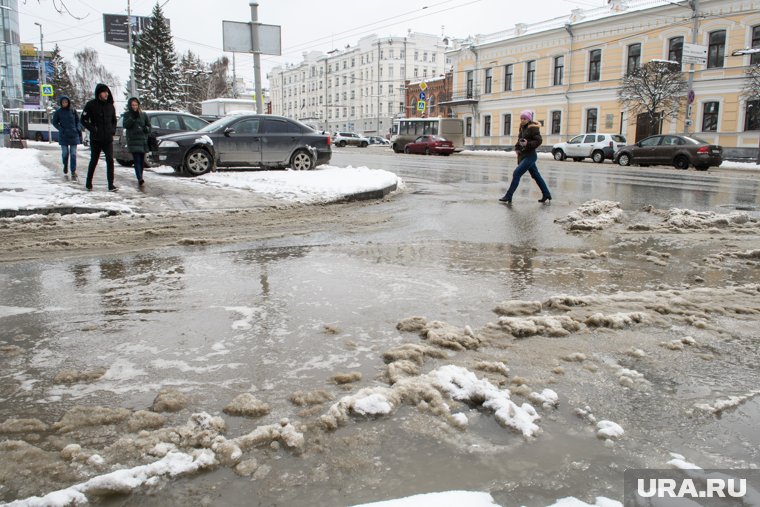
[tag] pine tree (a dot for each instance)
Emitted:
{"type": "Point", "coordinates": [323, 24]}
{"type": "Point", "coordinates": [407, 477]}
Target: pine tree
{"type": "Point", "coordinates": [61, 80]}
{"type": "Point", "coordinates": [156, 73]}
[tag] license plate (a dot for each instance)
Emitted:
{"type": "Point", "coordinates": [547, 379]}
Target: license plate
{"type": "Point", "coordinates": [162, 157]}
{"type": "Point", "coordinates": [715, 152]}
{"type": "Point", "coordinates": [117, 138]}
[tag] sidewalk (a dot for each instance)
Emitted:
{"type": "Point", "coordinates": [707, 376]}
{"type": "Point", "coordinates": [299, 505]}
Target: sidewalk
{"type": "Point", "coordinates": [32, 183]}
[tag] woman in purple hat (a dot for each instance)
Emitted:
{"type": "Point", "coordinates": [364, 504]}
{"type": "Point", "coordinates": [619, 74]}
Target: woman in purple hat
{"type": "Point", "coordinates": [529, 140]}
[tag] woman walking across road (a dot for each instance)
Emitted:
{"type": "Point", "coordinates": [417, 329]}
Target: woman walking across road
{"type": "Point", "coordinates": [137, 126]}
{"type": "Point", "coordinates": [529, 140]}
{"type": "Point", "coordinates": [66, 121]}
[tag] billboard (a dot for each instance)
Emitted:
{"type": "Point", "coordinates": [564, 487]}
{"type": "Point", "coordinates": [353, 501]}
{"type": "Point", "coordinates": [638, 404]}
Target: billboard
{"type": "Point", "coordinates": [30, 73]}
{"type": "Point", "coordinates": [115, 28]}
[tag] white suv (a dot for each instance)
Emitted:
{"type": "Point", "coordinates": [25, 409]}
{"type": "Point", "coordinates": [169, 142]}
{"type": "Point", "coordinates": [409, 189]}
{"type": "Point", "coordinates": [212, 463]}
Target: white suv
{"type": "Point", "coordinates": [598, 147]}
{"type": "Point", "coordinates": [341, 139]}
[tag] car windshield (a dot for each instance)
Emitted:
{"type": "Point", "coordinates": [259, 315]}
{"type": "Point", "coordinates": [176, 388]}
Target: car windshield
{"type": "Point", "coordinates": [220, 124]}
{"type": "Point", "coordinates": [694, 140]}
{"type": "Point", "coordinates": [438, 138]}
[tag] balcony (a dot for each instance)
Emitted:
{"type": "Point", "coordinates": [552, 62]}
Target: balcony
{"type": "Point", "coordinates": [462, 98]}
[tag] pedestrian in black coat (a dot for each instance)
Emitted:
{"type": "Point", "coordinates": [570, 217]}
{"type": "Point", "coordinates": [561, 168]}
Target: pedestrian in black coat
{"type": "Point", "coordinates": [99, 117]}
{"type": "Point", "coordinates": [66, 121]}
{"type": "Point", "coordinates": [137, 127]}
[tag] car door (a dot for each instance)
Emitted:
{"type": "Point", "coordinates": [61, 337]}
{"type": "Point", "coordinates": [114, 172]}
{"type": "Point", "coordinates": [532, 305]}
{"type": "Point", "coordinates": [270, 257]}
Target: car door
{"type": "Point", "coordinates": [191, 123]}
{"type": "Point", "coordinates": [279, 138]}
{"type": "Point", "coordinates": [573, 146]}
{"type": "Point", "coordinates": [165, 123]}
{"type": "Point", "coordinates": [240, 145]}
{"type": "Point", "coordinates": [644, 153]}
{"type": "Point", "coordinates": [664, 151]}
{"type": "Point", "coordinates": [587, 145]}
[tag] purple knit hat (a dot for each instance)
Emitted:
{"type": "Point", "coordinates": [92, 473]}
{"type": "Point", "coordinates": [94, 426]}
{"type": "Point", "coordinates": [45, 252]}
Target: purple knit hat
{"type": "Point", "coordinates": [526, 115]}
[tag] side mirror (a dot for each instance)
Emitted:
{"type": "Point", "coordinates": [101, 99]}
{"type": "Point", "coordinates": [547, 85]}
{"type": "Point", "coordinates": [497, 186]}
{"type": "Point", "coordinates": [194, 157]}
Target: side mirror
{"type": "Point", "coordinates": [228, 131]}
{"type": "Point", "coordinates": [638, 144]}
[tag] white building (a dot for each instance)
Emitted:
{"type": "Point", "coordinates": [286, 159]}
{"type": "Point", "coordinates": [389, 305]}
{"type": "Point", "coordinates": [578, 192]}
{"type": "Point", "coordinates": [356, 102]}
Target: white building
{"type": "Point", "coordinates": [359, 88]}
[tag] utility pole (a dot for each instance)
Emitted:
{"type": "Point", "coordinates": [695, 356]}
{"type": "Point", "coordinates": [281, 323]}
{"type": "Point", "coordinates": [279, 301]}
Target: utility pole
{"type": "Point", "coordinates": [256, 56]}
{"type": "Point", "coordinates": [694, 32]}
{"type": "Point", "coordinates": [43, 81]}
{"type": "Point", "coordinates": [379, 52]}
{"type": "Point", "coordinates": [234, 77]}
{"type": "Point", "coordinates": [132, 84]}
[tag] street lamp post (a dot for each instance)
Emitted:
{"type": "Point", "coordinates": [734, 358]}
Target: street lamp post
{"type": "Point", "coordinates": [3, 8]}
{"type": "Point", "coordinates": [43, 81]}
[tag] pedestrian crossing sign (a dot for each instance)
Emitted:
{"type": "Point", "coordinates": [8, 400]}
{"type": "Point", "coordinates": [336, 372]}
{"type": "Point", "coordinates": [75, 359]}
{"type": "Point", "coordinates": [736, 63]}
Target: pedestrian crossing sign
{"type": "Point", "coordinates": [420, 105]}
{"type": "Point", "coordinates": [46, 90]}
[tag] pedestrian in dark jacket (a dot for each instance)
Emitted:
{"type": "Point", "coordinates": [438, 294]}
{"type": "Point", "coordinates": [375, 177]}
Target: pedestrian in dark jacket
{"type": "Point", "coordinates": [99, 117]}
{"type": "Point", "coordinates": [529, 139]}
{"type": "Point", "coordinates": [137, 125]}
{"type": "Point", "coordinates": [66, 121]}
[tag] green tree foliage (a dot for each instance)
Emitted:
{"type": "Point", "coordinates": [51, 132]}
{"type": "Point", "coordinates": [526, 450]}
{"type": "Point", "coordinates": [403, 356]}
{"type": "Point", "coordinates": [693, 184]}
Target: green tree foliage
{"type": "Point", "coordinates": [61, 80]}
{"type": "Point", "coordinates": [156, 71]}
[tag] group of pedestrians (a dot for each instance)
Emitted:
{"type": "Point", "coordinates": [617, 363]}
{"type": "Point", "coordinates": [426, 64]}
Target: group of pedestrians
{"type": "Point", "coordinates": [99, 118]}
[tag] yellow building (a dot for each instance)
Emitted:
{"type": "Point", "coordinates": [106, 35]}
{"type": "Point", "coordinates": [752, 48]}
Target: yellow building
{"type": "Point", "coordinates": [568, 71]}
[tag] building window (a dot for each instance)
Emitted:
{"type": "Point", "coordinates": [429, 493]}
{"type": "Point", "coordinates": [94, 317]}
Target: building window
{"type": "Point", "coordinates": [675, 49]}
{"type": "Point", "coordinates": [716, 49]}
{"type": "Point", "coordinates": [591, 115]}
{"type": "Point", "coordinates": [556, 121]}
{"type": "Point", "coordinates": [489, 78]}
{"type": "Point", "coordinates": [634, 58]}
{"type": "Point", "coordinates": [432, 104]}
{"type": "Point", "coordinates": [416, 55]}
{"type": "Point", "coordinates": [530, 74]}
{"type": "Point", "coordinates": [507, 78]}
{"type": "Point", "coordinates": [752, 115]}
{"type": "Point", "coordinates": [470, 83]}
{"type": "Point", "coordinates": [594, 64]}
{"type": "Point", "coordinates": [468, 127]}
{"type": "Point", "coordinates": [506, 127]}
{"type": "Point", "coordinates": [710, 117]}
{"type": "Point", "coordinates": [755, 58]}
{"type": "Point", "coordinates": [559, 70]}
{"type": "Point", "coordinates": [487, 125]}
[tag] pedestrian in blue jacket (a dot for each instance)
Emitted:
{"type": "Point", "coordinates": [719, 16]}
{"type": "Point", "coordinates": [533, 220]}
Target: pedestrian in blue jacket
{"type": "Point", "coordinates": [66, 121]}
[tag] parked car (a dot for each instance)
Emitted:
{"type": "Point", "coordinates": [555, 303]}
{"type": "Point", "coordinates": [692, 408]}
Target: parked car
{"type": "Point", "coordinates": [430, 145]}
{"type": "Point", "coordinates": [349, 139]}
{"type": "Point", "coordinates": [377, 140]}
{"type": "Point", "coordinates": [161, 123]}
{"type": "Point", "coordinates": [678, 151]}
{"type": "Point", "coordinates": [598, 147]}
{"type": "Point", "coordinates": [245, 140]}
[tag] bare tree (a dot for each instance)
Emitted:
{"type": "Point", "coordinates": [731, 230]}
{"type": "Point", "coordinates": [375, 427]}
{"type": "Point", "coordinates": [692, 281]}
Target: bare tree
{"type": "Point", "coordinates": [88, 72]}
{"type": "Point", "coordinates": [656, 89]}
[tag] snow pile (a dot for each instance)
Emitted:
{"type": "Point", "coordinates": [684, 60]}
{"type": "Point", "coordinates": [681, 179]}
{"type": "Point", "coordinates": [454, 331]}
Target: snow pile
{"type": "Point", "coordinates": [680, 463]}
{"type": "Point", "coordinates": [246, 405]}
{"type": "Point", "coordinates": [516, 308]}
{"type": "Point", "coordinates": [442, 499]}
{"type": "Point", "coordinates": [440, 334]}
{"type": "Point", "coordinates": [592, 215]}
{"type": "Point", "coordinates": [546, 398]}
{"type": "Point", "coordinates": [124, 481]}
{"type": "Point", "coordinates": [324, 184]}
{"type": "Point", "coordinates": [608, 430]}
{"type": "Point", "coordinates": [731, 402]}
{"type": "Point", "coordinates": [689, 219]}
{"type": "Point", "coordinates": [427, 392]}
{"type": "Point", "coordinates": [550, 326]}
{"type": "Point", "coordinates": [571, 501]}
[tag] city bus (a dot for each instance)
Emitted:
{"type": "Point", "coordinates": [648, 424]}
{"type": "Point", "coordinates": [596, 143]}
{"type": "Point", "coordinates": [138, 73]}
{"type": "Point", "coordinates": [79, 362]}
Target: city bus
{"type": "Point", "coordinates": [33, 123]}
{"type": "Point", "coordinates": [406, 130]}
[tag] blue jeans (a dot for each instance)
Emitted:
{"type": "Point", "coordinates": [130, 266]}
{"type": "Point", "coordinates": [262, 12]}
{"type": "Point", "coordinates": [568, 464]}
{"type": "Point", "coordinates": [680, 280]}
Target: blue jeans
{"type": "Point", "coordinates": [528, 164]}
{"type": "Point", "coordinates": [139, 159]}
{"type": "Point", "coordinates": [69, 156]}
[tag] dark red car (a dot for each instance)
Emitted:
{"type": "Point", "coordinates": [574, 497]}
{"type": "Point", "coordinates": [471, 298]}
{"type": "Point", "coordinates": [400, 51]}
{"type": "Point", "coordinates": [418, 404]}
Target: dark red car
{"type": "Point", "coordinates": [429, 145]}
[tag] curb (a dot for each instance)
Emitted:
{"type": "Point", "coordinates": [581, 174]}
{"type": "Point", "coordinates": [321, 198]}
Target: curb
{"type": "Point", "coordinates": [369, 194]}
{"type": "Point", "coordinates": [62, 210]}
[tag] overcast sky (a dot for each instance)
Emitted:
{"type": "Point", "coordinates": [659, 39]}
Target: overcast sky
{"type": "Point", "coordinates": [306, 24]}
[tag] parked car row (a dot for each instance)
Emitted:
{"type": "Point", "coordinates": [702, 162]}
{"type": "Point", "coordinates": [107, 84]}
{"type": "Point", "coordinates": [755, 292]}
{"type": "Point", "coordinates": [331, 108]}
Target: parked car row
{"type": "Point", "coordinates": [680, 151]}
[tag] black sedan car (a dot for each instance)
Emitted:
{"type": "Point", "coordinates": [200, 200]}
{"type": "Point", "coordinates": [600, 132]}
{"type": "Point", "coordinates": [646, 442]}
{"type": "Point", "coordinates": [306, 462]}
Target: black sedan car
{"type": "Point", "coordinates": [161, 123]}
{"type": "Point", "coordinates": [678, 151]}
{"type": "Point", "coordinates": [245, 140]}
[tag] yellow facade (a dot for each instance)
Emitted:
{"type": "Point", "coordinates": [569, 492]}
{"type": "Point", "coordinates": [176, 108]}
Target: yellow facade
{"type": "Point", "coordinates": [612, 30]}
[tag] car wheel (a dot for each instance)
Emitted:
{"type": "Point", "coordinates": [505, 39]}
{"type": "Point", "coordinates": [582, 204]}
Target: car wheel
{"type": "Point", "coordinates": [577, 159]}
{"type": "Point", "coordinates": [681, 162]}
{"type": "Point", "coordinates": [342, 144]}
{"type": "Point", "coordinates": [624, 159]}
{"type": "Point", "coordinates": [406, 150]}
{"type": "Point", "coordinates": [301, 161]}
{"type": "Point", "coordinates": [38, 136]}
{"type": "Point", "coordinates": [125, 163]}
{"type": "Point", "coordinates": [396, 148]}
{"type": "Point", "coordinates": [198, 161]}
{"type": "Point", "coordinates": [559, 155]}
{"type": "Point", "coordinates": [598, 156]}
{"type": "Point", "coordinates": [363, 145]}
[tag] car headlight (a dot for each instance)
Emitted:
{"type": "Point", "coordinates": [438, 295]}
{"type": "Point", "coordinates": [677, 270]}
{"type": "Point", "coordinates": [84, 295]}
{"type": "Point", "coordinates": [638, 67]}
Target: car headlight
{"type": "Point", "coordinates": [168, 144]}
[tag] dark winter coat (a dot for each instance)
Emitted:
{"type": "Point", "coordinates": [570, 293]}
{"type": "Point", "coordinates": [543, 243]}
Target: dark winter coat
{"type": "Point", "coordinates": [530, 132]}
{"type": "Point", "coordinates": [137, 127]}
{"type": "Point", "coordinates": [66, 121]}
{"type": "Point", "coordinates": [99, 117]}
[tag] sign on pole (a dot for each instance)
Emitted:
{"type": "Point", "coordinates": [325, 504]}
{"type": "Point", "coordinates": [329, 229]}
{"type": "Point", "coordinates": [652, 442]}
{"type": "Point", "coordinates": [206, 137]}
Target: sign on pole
{"type": "Point", "coordinates": [115, 31]}
{"type": "Point", "coordinates": [694, 53]}
{"type": "Point", "coordinates": [420, 105]}
{"type": "Point", "coordinates": [236, 38]}
{"type": "Point", "coordinates": [46, 90]}
{"type": "Point", "coordinates": [423, 86]}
